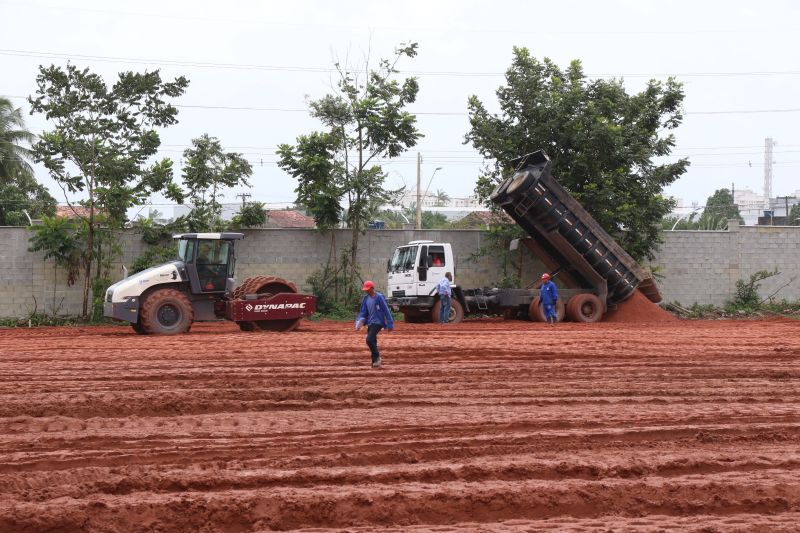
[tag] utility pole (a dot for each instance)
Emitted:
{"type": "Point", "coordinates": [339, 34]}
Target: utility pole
{"type": "Point", "coordinates": [243, 196]}
{"type": "Point", "coordinates": [419, 190]}
{"type": "Point", "coordinates": [786, 200]}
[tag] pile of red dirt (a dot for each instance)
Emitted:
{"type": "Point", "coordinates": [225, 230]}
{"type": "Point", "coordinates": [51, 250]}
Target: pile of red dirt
{"type": "Point", "coordinates": [638, 308]}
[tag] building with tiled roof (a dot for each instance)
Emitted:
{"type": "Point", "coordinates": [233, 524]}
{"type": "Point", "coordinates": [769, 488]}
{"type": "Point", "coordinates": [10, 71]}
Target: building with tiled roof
{"type": "Point", "coordinates": [288, 218]}
{"type": "Point", "coordinates": [75, 211]}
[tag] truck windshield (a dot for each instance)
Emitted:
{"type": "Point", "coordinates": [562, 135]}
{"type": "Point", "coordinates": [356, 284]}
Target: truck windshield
{"type": "Point", "coordinates": [404, 258]}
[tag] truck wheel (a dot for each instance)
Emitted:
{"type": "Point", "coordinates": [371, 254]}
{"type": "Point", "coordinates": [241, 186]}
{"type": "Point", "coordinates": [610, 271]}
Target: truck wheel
{"type": "Point", "coordinates": [166, 312]}
{"type": "Point", "coordinates": [536, 310]}
{"type": "Point", "coordinates": [456, 312]}
{"type": "Point", "coordinates": [411, 315]}
{"type": "Point", "coordinates": [510, 313]}
{"type": "Point", "coordinates": [585, 308]}
{"type": "Point", "coordinates": [138, 328]}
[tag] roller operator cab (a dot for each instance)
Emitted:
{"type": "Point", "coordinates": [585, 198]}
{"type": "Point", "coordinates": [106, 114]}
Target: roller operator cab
{"type": "Point", "coordinates": [414, 271]}
{"type": "Point", "coordinates": [167, 298]}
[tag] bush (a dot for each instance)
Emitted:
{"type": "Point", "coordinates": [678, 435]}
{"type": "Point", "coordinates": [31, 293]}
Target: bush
{"type": "Point", "coordinates": [154, 256]}
{"type": "Point", "coordinates": [747, 298]}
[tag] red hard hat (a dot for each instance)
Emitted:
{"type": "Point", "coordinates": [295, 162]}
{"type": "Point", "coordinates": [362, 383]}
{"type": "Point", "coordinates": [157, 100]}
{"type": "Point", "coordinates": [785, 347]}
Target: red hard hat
{"type": "Point", "coordinates": [368, 285]}
{"type": "Point", "coordinates": [545, 276]}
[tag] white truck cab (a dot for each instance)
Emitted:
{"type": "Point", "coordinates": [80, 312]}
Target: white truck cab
{"type": "Point", "coordinates": [414, 271]}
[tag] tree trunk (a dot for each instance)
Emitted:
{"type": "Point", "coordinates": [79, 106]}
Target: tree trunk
{"type": "Point", "coordinates": [333, 261]}
{"type": "Point", "coordinates": [353, 258]}
{"type": "Point", "coordinates": [87, 280]}
{"type": "Point", "coordinates": [55, 281]}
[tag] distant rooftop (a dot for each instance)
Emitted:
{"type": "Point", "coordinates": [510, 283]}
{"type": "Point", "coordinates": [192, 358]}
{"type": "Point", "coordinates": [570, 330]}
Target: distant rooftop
{"type": "Point", "coordinates": [288, 218]}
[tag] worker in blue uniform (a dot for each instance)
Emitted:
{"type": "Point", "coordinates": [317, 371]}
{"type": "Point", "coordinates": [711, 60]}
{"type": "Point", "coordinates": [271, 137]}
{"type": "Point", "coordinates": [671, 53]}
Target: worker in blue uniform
{"type": "Point", "coordinates": [376, 315]}
{"type": "Point", "coordinates": [548, 293]}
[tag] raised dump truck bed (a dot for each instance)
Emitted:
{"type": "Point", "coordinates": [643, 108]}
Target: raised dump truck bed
{"type": "Point", "coordinates": [566, 237]}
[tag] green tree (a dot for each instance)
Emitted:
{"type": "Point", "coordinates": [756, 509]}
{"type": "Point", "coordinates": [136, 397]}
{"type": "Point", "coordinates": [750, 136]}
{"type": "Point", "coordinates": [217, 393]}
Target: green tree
{"type": "Point", "coordinates": [601, 141]}
{"type": "Point", "coordinates": [102, 144]}
{"type": "Point", "coordinates": [207, 172]}
{"type": "Point", "coordinates": [719, 208]}
{"type": "Point", "coordinates": [161, 247]}
{"type": "Point", "coordinates": [365, 120]}
{"type": "Point", "coordinates": [441, 198]}
{"type": "Point", "coordinates": [433, 220]}
{"type": "Point", "coordinates": [19, 191]}
{"type": "Point", "coordinates": [251, 215]}
{"type": "Point", "coordinates": [677, 223]}
{"type": "Point", "coordinates": [794, 216]}
{"type": "Point", "coordinates": [58, 239]}
{"type": "Point", "coordinates": [320, 180]}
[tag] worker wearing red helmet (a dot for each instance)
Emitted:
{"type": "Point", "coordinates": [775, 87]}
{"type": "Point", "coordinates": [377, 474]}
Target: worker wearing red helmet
{"type": "Point", "coordinates": [375, 314]}
{"type": "Point", "coordinates": [548, 293]}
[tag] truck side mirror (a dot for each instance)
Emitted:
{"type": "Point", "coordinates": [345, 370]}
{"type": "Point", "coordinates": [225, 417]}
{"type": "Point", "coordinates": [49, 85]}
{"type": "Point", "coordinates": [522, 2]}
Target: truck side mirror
{"type": "Point", "coordinates": [388, 265]}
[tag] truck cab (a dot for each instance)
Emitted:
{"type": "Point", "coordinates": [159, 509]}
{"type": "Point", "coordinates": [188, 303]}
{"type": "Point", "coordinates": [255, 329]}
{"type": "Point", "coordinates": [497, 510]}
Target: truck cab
{"type": "Point", "coordinates": [414, 271]}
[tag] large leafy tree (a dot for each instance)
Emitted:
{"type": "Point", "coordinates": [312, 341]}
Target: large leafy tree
{"type": "Point", "coordinates": [207, 172]}
{"type": "Point", "coordinates": [20, 193]}
{"type": "Point", "coordinates": [320, 189]}
{"type": "Point", "coordinates": [365, 119]}
{"type": "Point", "coordinates": [602, 142]}
{"type": "Point", "coordinates": [794, 216]}
{"type": "Point", "coordinates": [719, 208]}
{"type": "Point", "coordinates": [251, 215]}
{"type": "Point", "coordinates": [102, 144]}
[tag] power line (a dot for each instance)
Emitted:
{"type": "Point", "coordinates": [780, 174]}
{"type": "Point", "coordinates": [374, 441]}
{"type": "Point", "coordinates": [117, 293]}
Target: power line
{"type": "Point", "coordinates": [329, 70]}
{"type": "Point", "coordinates": [450, 113]}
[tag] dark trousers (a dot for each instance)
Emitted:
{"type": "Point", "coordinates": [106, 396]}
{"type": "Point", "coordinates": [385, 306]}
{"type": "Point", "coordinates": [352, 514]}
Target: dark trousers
{"type": "Point", "coordinates": [372, 340]}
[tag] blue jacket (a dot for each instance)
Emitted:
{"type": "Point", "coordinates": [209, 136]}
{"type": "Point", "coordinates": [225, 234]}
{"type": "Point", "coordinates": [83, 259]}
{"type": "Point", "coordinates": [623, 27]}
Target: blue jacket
{"type": "Point", "coordinates": [374, 310]}
{"type": "Point", "coordinates": [548, 293]}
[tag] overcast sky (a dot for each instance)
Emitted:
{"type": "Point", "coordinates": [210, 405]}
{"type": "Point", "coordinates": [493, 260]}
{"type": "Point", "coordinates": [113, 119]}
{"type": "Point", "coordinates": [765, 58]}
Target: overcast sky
{"type": "Point", "coordinates": [738, 60]}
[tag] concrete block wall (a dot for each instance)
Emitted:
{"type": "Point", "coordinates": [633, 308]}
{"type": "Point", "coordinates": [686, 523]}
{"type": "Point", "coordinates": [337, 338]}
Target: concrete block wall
{"type": "Point", "coordinates": [703, 266]}
{"type": "Point", "coordinates": [698, 266]}
{"type": "Point", "coordinates": [294, 254]}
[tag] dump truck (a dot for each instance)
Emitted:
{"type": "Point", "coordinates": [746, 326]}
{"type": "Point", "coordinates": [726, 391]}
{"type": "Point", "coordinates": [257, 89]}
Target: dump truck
{"type": "Point", "coordinates": [199, 285]}
{"type": "Point", "coordinates": [594, 271]}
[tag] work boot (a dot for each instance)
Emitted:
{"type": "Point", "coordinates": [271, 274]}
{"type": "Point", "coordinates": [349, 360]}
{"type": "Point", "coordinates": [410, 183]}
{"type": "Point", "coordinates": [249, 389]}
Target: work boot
{"type": "Point", "coordinates": [377, 364]}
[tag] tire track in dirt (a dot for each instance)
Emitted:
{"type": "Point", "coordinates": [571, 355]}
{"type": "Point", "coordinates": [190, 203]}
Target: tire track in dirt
{"type": "Point", "coordinates": [487, 425]}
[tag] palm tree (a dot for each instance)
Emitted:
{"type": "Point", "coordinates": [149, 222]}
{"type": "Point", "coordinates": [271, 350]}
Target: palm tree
{"type": "Point", "coordinates": [13, 156]}
{"type": "Point", "coordinates": [441, 198]}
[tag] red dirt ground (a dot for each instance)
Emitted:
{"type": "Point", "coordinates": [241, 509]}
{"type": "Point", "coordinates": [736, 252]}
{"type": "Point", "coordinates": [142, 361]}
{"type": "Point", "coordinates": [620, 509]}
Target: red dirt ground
{"type": "Point", "coordinates": [485, 425]}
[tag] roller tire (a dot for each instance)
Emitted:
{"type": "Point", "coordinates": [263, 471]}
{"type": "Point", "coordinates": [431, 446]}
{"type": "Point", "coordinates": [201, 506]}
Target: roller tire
{"type": "Point", "coordinates": [266, 286]}
{"type": "Point", "coordinates": [166, 312]}
{"type": "Point", "coordinates": [456, 311]}
{"type": "Point", "coordinates": [585, 308]}
{"type": "Point", "coordinates": [536, 310]}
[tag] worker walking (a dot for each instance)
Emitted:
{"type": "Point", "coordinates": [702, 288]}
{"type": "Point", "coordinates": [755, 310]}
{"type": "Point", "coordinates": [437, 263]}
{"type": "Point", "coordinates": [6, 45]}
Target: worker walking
{"type": "Point", "coordinates": [548, 293]}
{"type": "Point", "coordinates": [375, 314]}
{"type": "Point", "coordinates": [445, 293]}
